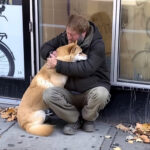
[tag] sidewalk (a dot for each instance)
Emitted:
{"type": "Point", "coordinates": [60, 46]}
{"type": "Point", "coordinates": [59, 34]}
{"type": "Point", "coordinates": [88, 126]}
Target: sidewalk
{"type": "Point", "coordinates": [12, 137]}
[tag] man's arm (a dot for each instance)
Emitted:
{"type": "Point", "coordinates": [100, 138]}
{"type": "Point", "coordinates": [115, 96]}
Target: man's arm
{"type": "Point", "coordinates": [50, 46]}
{"type": "Point", "coordinates": [96, 57]}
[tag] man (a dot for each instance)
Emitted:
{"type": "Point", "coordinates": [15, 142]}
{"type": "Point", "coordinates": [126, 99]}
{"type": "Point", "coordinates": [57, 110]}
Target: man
{"type": "Point", "coordinates": [87, 89]}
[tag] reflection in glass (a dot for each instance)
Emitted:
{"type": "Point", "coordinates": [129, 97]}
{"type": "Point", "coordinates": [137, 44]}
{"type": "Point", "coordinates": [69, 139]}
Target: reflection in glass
{"type": "Point", "coordinates": [135, 40]}
{"type": "Point", "coordinates": [54, 16]}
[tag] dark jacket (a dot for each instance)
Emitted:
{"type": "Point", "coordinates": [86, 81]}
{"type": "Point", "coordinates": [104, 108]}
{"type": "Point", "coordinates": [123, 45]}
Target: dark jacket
{"type": "Point", "coordinates": [82, 75]}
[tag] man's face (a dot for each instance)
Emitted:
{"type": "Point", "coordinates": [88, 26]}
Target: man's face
{"type": "Point", "coordinates": [72, 35]}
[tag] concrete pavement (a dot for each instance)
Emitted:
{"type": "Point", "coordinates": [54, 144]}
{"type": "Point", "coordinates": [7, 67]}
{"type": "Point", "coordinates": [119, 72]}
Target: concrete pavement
{"type": "Point", "coordinates": [12, 137]}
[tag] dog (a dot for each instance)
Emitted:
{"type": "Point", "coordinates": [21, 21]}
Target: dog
{"type": "Point", "coordinates": [31, 115]}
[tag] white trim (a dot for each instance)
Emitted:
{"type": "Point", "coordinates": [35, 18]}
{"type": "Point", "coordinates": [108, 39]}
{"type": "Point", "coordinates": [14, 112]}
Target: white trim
{"type": "Point", "coordinates": [124, 84]}
{"type": "Point", "coordinates": [9, 101]}
{"type": "Point", "coordinates": [102, 0]}
{"type": "Point", "coordinates": [135, 31]}
{"type": "Point", "coordinates": [113, 41]}
{"type": "Point", "coordinates": [32, 39]}
{"type": "Point", "coordinates": [37, 35]}
{"type": "Point", "coordinates": [53, 25]}
{"type": "Point", "coordinates": [117, 40]}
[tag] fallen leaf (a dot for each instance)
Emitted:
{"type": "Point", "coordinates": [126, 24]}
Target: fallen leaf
{"type": "Point", "coordinates": [4, 116]}
{"type": "Point", "coordinates": [139, 140]}
{"type": "Point", "coordinates": [141, 132]}
{"type": "Point", "coordinates": [108, 137]}
{"type": "Point", "coordinates": [145, 138]}
{"type": "Point", "coordinates": [143, 128]}
{"type": "Point", "coordinates": [9, 113]}
{"type": "Point", "coordinates": [130, 141]}
{"type": "Point", "coordinates": [129, 138]}
{"type": "Point", "coordinates": [117, 148]}
{"type": "Point", "coordinates": [132, 129]}
{"type": "Point", "coordinates": [122, 127]}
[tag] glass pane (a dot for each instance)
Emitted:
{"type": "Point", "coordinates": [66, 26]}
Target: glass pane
{"type": "Point", "coordinates": [135, 41]}
{"type": "Point", "coordinates": [54, 15]}
{"type": "Point", "coordinates": [11, 39]}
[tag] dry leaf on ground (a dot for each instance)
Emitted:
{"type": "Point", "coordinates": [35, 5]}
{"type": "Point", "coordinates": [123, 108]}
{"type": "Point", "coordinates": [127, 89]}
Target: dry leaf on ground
{"type": "Point", "coordinates": [142, 132]}
{"type": "Point", "coordinates": [143, 128]}
{"type": "Point", "coordinates": [117, 148]}
{"type": "Point", "coordinates": [122, 127]}
{"type": "Point", "coordinates": [145, 138]}
{"type": "Point", "coordinates": [108, 137]}
{"type": "Point", "coordinates": [9, 113]}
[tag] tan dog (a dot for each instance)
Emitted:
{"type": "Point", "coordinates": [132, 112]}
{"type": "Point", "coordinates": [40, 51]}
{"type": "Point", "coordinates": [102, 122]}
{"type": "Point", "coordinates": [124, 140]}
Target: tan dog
{"type": "Point", "coordinates": [30, 114]}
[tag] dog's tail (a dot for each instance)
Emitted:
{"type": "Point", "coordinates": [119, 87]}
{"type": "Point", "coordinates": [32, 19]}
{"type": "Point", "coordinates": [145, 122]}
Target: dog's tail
{"type": "Point", "coordinates": [40, 129]}
{"type": "Point", "coordinates": [34, 123]}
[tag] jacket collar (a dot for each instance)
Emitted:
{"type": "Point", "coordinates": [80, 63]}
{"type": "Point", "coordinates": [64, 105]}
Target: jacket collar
{"type": "Point", "coordinates": [87, 41]}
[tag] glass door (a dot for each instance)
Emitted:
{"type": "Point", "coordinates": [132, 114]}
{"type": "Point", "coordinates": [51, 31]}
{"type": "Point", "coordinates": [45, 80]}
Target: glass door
{"type": "Point", "coordinates": [132, 44]}
{"type": "Point", "coordinates": [54, 14]}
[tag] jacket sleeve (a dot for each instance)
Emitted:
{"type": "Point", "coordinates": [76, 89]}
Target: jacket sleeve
{"type": "Point", "coordinates": [85, 68]}
{"type": "Point", "coordinates": [50, 46]}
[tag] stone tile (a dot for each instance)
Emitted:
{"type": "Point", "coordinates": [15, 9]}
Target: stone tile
{"type": "Point", "coordinates": [120, 139]}
{"type": "Point", "coordinates": [17, 139]}
{"type": "Point", "coordinates": [4, 126]}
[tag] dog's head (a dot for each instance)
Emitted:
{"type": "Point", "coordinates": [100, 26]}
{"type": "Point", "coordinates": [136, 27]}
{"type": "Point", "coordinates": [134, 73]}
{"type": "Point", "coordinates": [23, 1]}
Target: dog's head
{"type": "Point", "coordinates": [71, 52]}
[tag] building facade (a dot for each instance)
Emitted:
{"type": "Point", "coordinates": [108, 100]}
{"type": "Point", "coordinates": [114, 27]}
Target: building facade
{"type": "Point", "coordinates": [124, 24]}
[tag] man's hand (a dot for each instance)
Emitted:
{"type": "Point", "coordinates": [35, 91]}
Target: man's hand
{"type": "Point", "coordinates": [52, 61]}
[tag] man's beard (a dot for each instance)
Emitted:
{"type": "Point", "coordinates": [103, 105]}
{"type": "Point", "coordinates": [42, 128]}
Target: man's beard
{"type": "Point", "coordinates": [80, 40]}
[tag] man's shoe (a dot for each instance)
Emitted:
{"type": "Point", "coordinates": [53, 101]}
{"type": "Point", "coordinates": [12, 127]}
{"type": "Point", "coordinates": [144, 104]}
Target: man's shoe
{"type": "Point", "coordinates": [70, 129]}
{"type": "Point", "coordinates": [88, 126]}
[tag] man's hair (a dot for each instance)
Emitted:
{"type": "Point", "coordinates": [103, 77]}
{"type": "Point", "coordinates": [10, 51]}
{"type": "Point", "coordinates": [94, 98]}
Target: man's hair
{"type": "Point", "coordinates": [78, 23]}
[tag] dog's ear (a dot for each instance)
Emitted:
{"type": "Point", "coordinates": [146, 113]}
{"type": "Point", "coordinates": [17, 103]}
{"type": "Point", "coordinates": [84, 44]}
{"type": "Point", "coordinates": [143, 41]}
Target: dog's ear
{"type": "Point", "coordinates": [75, 42]}
{"type": "Point", "coordinates": [74, 47]}
{"type": "Point", "coordinates": [64, 50]}
{"type": "Point", "coordinates": [71, 47]}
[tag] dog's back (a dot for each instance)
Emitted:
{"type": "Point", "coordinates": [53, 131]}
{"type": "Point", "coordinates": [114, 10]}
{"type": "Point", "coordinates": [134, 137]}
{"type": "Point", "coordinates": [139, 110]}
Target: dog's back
{"type": "Point", "coordinates": [30, 112]}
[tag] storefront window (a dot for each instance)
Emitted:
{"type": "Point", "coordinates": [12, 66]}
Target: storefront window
{"type": "Point", "coordinates": [134, 48]}
{"type": "Point", "coordinates": [11, 39]}
{"type": "Point", "coordinates": [54, 15]}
